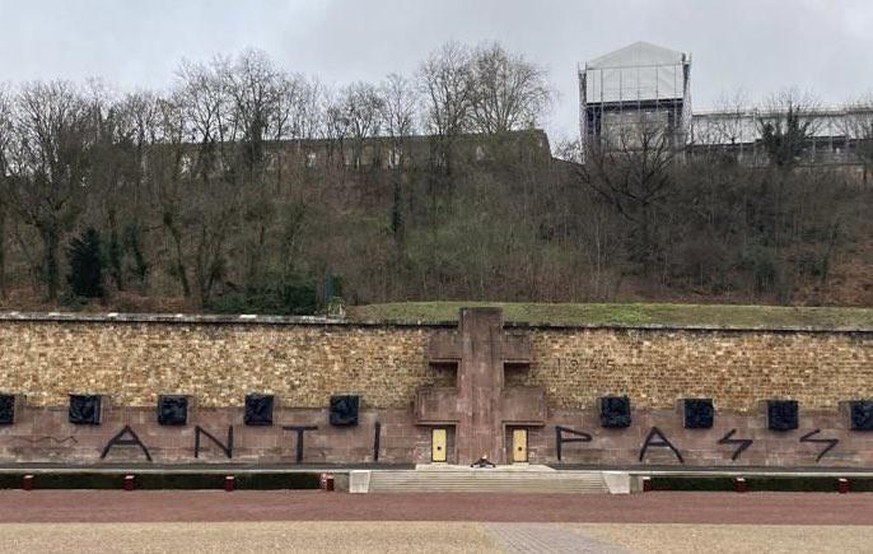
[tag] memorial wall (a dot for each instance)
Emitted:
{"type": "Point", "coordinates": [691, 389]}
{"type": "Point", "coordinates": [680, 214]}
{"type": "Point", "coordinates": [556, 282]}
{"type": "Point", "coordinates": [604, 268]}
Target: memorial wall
{"type": "Point", "coordinates": [85, 389]}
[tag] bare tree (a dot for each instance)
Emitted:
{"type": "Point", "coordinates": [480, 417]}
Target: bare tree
{"type": "Point", "coordinates": [6, 130]}
{"type": "Point", "coordinates": [400, 105]}
{"type": "Point", "coordinates": [446, 81]}
{"type": "Point", "coordinates": [447, 85]}
{"type": "Point", "coordinates": [336, 124]}
{"type": "Point", "coordinates": [120, 161]}
{"type": "Point", "coordinates": [510, 93]}
{"type": "Point", "coordinates": [728, 131]}
{"type": "Point", "coordinates": [53, 129]}
{"type": "Point", "coordinates": [399, 110]}
{"type": "Point", "coordinates": [298, 117]}
{"type": "Point", "coordinates": [202, 94]}
{"type": "Point", "coordinates": [139, 117]}
{"type": "Point", "coordinates": [256, 88]}
{"type": "Point", "coordinates": [265, 98]}
{"type": "Point", "coordinates": [286, 117]}
{"type": "Point", "coordinates": [113, 173]}
{"type": "Point", "coordinates": [635, 177]}
{"type": "Point", "coordinates": [357, 111]}
{"type": "Point", "coordinates": [307, 109]}
{"type": "Point", "coordinates": [214, 212]}
{"type": "Point", "coordinates": [170, 163]}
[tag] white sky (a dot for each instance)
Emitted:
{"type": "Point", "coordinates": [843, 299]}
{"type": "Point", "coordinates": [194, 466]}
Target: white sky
{"type": "Point", "coordinates": [760, 46]}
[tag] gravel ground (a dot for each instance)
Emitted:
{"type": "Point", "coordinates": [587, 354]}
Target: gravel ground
{"type": "Point", "coordinates": [449, 537]}
{"type": "Point", "coordinates": [254, 537]}
{"type": "Point", "coordinates": [734, 538]}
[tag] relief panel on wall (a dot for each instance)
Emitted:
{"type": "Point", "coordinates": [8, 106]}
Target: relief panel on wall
{"type": "Point", "coordinates": [615, 411]}
{"type": "Point", "coordinates": [699, 413]}
{"type": "Point", "coordinates": [344, 409]}
{"type": "Point", "coordinates": [7, 409]}
{"type": "Point", "coordinates": [861, 414]}
{"type": "Point", "coordinates": [782, 415]}
{"type": "Point", "coordinates": [259, 409]}
{"type": "Point", "coordinates": [84, 409]}
{"type": "Point", "coordinates": [172, 409]}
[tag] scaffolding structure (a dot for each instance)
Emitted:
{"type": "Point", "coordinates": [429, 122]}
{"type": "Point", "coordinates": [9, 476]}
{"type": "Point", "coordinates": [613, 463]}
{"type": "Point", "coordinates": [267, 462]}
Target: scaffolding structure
{"type": "Point", "coordinates": [632, 91]}
{"type": "Point", "coordinates": [643, 91]}
{"type": "Point", "coordinates": [835, 133]}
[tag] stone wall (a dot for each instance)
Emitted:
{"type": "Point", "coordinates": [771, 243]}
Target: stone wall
{"type": "Point", "coordinates": [45, 435]}
{"type": "Point", "coordinates": [822, 439]}
{"type": "Point", "coordinates": [737, 368]}
{"type": "Point", "coordinates": [217, 361]}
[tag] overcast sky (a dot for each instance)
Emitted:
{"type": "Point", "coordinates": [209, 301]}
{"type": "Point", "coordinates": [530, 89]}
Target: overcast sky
{"type": "Point", "coordinates": [760, 46]}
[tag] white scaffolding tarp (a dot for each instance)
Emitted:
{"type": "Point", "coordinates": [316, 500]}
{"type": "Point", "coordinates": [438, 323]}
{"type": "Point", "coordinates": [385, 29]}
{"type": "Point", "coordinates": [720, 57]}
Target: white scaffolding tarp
{"type": "Point", "coordinates": [744, 125]}
{"type": "Point", "coordinates": [639, 72]}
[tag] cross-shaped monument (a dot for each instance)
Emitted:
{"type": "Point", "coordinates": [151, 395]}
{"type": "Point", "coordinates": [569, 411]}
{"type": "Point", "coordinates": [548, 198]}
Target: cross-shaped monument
{"type": "Point", "coordinates": [479, 406]}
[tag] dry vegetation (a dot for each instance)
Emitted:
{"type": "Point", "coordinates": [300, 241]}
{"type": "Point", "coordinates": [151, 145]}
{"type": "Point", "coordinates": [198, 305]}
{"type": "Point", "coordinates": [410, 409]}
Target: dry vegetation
{"type": "Point", "coordinates": [208, 197]}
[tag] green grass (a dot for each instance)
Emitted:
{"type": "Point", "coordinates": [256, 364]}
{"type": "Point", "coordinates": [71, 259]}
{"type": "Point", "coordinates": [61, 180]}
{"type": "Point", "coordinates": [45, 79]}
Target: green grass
{"type": "Point", "coordinates": [729, 316]}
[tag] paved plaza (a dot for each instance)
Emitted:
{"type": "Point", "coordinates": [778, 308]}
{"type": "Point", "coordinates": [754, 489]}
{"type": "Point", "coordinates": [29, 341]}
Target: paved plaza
{"type": "Point", "coordinates": [314, 521]}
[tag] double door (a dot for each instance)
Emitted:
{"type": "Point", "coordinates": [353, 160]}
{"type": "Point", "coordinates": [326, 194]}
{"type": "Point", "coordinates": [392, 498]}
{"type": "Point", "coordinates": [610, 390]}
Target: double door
{"type": "Point", "coordinates": [439, 445]}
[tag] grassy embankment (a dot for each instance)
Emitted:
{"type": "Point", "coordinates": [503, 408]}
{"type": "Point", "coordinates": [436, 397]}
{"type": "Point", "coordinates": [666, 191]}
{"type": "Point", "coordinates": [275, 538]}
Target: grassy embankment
{"type": "Point", "coordinates": [629, 314]}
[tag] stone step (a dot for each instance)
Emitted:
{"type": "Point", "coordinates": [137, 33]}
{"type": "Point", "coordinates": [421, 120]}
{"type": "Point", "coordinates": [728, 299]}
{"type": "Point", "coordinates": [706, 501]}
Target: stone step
{"type": "Point", "coordinates": [450, 480]}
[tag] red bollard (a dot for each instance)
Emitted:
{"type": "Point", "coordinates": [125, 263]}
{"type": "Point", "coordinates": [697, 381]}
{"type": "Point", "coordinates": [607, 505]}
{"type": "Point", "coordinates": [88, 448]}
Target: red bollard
{"type": "Point", "coordinates": [228, 483]}
{"type": "Point", "coordinates": [128, 482]}
{"type": "Point", "coordinates": [843, 485]}
{"type": "Point", "coordinates": [647, 484]}
{"type": "Point", "coordinates": [325, 483]}
{"type": "Point", "coordinates": [740, 484]}
{"type": "Point", "coordinates": [27, 483]}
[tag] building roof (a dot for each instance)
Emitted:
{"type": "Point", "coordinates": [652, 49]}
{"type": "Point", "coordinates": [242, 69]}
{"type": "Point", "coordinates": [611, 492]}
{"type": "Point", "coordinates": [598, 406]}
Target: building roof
{"type": "Point", "coordinates": [638, 54]}
{"type": "Point", "coordinates": [637, 73]}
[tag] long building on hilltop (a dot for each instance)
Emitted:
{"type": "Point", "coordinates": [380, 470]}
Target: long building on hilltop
{"type": "Point", "coordinates": [835, 135]}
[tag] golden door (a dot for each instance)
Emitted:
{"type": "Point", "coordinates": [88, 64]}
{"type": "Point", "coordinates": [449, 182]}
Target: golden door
{"type": "Point", "coordinates": [519, 445]}
{"type": "Point", "coordinates": [438, 445]}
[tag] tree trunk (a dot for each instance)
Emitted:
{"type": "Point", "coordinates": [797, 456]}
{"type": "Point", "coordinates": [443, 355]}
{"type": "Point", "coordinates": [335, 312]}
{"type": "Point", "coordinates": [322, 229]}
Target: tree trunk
{"type": "Point", "coordinates": [115, 251]}
{"type": "Point", "coordinates": [180, 270]}
{"type": "Point", "coordinates": [51, 273]}
{"type": "Point", "coordinates": [3, 291]}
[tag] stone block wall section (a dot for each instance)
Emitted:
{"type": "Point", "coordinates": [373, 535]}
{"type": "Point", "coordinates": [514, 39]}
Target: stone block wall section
{"type": "Point", "coordinates": [736, 367]}
{"type": "Point", "coordinates": [217, 360]}
{"type": "Point", "coordinates": [133, 359]}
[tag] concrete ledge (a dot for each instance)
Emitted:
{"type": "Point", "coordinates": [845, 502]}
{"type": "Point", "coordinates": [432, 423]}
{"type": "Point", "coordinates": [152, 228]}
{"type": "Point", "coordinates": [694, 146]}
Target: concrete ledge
{"type": "Point", "coordinates": [513, 468]}
{"type": "Point", "coordinates": [359, 481]}
{"type": "Point", "coordinates": [254, 319]}
{"type": "Point", "coordinates": [618, 482]}
{"type": "Point", "coordinates": [114, 317]}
